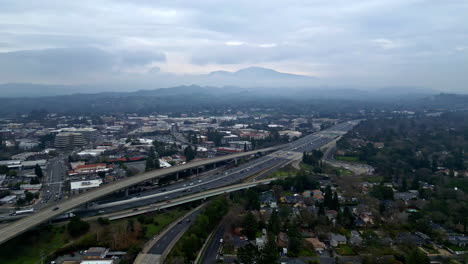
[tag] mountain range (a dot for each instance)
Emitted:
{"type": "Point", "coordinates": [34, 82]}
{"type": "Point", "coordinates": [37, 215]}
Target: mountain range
{"type": "Point", "coordinates": [248, 77]}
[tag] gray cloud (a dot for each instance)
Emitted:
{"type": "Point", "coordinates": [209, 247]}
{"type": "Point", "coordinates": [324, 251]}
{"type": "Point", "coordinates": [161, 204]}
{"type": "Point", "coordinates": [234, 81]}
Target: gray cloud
{"type": "Point", "coordinates": [62, 63]}
{"type": "Point", "coordinates": [364, 42]}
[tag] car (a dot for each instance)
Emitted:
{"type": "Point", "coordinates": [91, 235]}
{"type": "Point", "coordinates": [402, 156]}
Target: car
{"type": "Point", "coordinates": [168, 202]}
{"type": "Point", "coordinates": [136, 209]}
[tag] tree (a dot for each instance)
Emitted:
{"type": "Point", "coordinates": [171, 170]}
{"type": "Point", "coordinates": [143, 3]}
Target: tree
{"type": "Point", "coordinates": [149, 164]}
{"type": "Point", "coordinates": [335, 203]}
{"type": "Point", "coordinates": [101, 174]}
{"type": "Point", "coordinates": [77, 227]}
{"type": "Point", "coordinates": [328, 199]}
{"type": "Point", "coordinates": [248, 254]}
{"type": "Point", "coordinates": [274, 223]}
{"type": "Point", "coordinates": [250, 226]}
{"type": "Point", "coordinates": [103, 221]}
{"type": "Point", "coordinates": [38, 171]}
{"type": "Point", "coordinates": [269, 253]}
{"type": "Point", "coordinates": [189, 153]}
{"type": "Point", "coordinates": [415, 256]}
{"type": "Point", "coordinates": [294, 240]}
{"type": "Point", "coordinates": [253, 202]}
{"type": "Point", "coordinates": [29, 196]}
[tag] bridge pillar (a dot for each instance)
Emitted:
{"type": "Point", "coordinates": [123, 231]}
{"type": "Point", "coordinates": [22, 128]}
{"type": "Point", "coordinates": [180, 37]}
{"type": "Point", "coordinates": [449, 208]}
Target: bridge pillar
{"type": "Point", "coordinates": [235, 161]}
{"type": "Point", "coordinates": [126, 191]}
{"type": "Point", "coordinates": [177, 176]}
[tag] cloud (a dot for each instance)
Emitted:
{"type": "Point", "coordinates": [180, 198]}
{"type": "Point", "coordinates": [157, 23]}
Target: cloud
{"type": "Point", "coordinates": [373, 43]}
{"type": "Point", "coordinates": [234, 43]}
{"type": "Point", "coordinates": [268, 45]}
{"type": "Point", "coordinates": [387, 43]}
{"type": "Point", "coordinates": [62, 63]}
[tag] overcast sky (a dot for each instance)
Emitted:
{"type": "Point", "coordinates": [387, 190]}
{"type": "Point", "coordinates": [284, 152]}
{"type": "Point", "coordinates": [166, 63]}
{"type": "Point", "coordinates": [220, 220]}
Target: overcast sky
{"type": "Point", "coordinates": [369, 43]}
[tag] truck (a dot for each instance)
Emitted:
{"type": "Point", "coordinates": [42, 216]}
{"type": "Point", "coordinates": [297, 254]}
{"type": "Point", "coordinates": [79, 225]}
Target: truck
{"type": "Point", "coordinates": [22, 212]}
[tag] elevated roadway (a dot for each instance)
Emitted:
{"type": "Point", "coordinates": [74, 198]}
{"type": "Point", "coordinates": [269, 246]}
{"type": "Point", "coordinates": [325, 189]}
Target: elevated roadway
{"type": "Point", "coordinates": [18, 227]}
{"type": "Point", "coordinates": [290, 152]}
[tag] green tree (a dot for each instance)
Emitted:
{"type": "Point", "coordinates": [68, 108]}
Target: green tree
{"type": "Point", "coordinates": [294, 240]}
{"type": "Point", "coordinates": [38, 171]}
{"type": "Point", "coordinates": [328, 197]}
{"type": "Point", "coordinates": [250, 226]}
{"type": "Point", "coordinates": [248, 254]}
{"type": "Point", "coordinates": [274, 223]}
{"type": "Point", "coordinates": [335, 203]}
{"type": "Point", "coordinates": [269, 254]}
{"type": "Point", "coordinates": [29, 196]}
{"type": "Point", "coordinates": [77, 227]}
{"type": "Point", "coordinates": [415, 256]}
{"type": "Point", "coordinates": [103, 221]}
{"type": "Point", "coordinates": [189, 153]}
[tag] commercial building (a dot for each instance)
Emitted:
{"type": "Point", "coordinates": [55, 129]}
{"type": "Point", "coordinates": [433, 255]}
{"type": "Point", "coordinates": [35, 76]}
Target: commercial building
{"type": "Point", "coordinates": [90, 134]}
{"type": "Point", "coordinates": [69, 140]}
{"type": "Point", "coordinates": [83, 186]}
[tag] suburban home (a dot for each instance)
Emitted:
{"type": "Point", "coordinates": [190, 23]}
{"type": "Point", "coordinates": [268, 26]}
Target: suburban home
{"type": "Point", "coordinates": [337, 239]}
{"type": "Point", "coordinates": [316, 243]}
{"type": "Point", "coordinates": [408, 238]}
{"type": "Point", "coordinates": [355, 238]}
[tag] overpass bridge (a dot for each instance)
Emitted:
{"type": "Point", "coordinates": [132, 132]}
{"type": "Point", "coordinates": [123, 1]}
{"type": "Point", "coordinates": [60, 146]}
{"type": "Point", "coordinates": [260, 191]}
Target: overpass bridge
{"type": "Point", "coordinates": [18, 227]}
{"type": "Point", "coordinates": [183, 200]}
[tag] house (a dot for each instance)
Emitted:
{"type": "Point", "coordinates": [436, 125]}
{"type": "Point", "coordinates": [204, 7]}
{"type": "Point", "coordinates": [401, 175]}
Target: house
{"type": "Point", "coordinates": [317, 195]}
{"type": "Point", "coordinates": [307, 194]}
{"type": "Point", "coordinates": [266, 199]}
{"type": "Point", "coordinates": [337, 239]}
{"type": "Point", "coordinates": [95, 253]}
{"type": "Point", "coordinates": [405, 196]}
{"type": "Point", "coordinates": [316, 243]}
{"type": "Point", "coordinates": [355, 238]}
{"type": "Point", "coordinates": [409, 238]}
{"type": "Point", "coordinates": [458, 240]}
{"type": "Point", "coordinates": [290, 199]}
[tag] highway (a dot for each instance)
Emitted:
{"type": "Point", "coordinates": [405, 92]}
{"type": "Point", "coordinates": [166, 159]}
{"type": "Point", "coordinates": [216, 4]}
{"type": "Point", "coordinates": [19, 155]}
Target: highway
{"type": "Point", "coordinates": [306, 143]}
{"type": "Point", "coordinates": [15, 228]}
{"type": "Point", "coordinates": [260, 167]}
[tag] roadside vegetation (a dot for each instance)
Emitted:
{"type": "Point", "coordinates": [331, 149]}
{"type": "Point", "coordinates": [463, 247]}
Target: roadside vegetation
{"type": "Point", "coordinates": [50, 241]}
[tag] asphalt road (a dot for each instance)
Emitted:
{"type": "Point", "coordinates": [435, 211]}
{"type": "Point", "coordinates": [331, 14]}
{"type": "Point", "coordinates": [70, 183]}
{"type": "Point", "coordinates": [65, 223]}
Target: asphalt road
{"type": "Point", "coordinates": [211, 251]}
{"type": "Point", "coordinates": [165, 241]}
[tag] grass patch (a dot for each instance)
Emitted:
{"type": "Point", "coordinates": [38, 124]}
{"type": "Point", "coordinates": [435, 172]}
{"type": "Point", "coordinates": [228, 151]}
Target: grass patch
{"type": "Point", "coordinates": [376, 179]}
{"type": "Point", "coordinates": [28, 247]}
{"type": "Point", "coordinates": [347, 158]}
{"type": "Point", "coordinates": [345, 250]}
{"type": "Point", "coordinates": [457, 248]}
{"type": "Point", "coordinates": [344, 172]}
{"type": "Point", "coordinates": [307, 252]}
{"type": "Point", "coordinates": [163, 220]}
